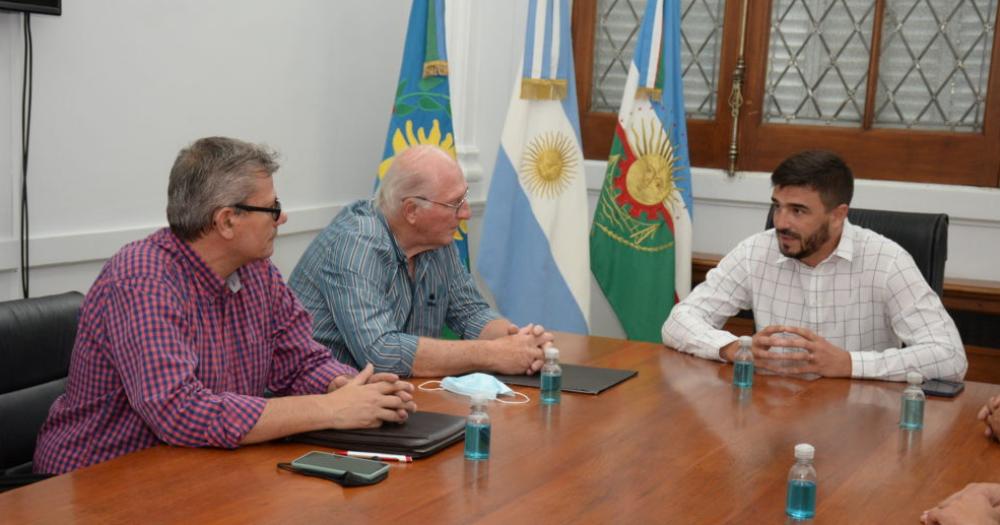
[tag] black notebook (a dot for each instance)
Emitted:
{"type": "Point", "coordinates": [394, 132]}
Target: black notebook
{"type": "Point", "coordinates": [422, 434]}
{"type": "Point", "coordinates": [577, 378]}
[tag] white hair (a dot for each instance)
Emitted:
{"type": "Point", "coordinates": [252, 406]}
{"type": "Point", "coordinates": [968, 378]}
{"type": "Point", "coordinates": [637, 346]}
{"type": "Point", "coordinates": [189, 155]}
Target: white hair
{"type": "Point", "coordinates": [407, 177]}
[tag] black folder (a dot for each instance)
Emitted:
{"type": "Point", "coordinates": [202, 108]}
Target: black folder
{"type": "Point", "coordinates": [422, 434]}
{"type": "Point", "coordinates": [577, 378]}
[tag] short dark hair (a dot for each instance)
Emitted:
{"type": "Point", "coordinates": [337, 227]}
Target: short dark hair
{"type": "Point", "coordinates": [820, 170]}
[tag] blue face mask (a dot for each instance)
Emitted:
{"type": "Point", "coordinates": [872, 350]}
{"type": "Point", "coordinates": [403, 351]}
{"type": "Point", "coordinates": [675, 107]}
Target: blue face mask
{"type": "Point", "coordinates": [476, 382]}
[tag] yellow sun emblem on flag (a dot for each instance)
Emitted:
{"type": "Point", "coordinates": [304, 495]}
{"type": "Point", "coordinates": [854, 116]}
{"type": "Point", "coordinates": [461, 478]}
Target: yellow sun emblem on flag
{"type": "Point", "coordinates": [401, 143]}
{"type": "Point", "coordinates": [548, 164]}
{"type": "Point", "coordinates": [649, 181]}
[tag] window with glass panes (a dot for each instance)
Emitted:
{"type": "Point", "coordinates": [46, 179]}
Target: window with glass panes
{"type": "Point", "coordinates": [899, 88]}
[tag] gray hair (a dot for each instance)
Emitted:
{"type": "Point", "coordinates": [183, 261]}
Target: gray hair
{"type": "Point", "coordinates": [212, 173]}
{"type": "Point", "coordinates": [405, 179]}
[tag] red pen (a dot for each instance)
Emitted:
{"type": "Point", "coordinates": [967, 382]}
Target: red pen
{"type": "Point", "coordinates": [375, 455]}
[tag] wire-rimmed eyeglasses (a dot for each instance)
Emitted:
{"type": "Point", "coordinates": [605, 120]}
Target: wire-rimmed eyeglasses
{"type": "Point", "coordinates": [457, 206]}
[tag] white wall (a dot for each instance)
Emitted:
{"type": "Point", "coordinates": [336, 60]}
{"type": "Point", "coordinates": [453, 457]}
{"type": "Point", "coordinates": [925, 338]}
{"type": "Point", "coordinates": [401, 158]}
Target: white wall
{"type": "Point", "coordinates": [121, 85]}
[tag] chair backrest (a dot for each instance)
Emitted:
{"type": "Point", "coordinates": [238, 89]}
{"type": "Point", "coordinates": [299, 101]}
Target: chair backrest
{"type": "Point", "coordinates": [36, 341]}
{"type": "Point", "coordinates": [923, 235]}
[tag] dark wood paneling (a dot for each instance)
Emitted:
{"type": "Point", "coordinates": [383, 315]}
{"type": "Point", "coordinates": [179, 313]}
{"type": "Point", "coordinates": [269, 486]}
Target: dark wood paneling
{"type": "Point", "coordinates": [885, 154]}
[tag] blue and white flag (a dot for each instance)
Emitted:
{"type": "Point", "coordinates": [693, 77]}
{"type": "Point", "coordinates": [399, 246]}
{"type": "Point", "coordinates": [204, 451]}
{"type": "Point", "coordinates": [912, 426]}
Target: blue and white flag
{"type": "Point", "coordinates": [534, 254]}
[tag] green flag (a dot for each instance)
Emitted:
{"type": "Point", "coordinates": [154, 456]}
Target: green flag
{"type": "Point", "coordinates": [640, 242]}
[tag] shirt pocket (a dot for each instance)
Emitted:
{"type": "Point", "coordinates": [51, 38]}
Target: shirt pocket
{"type": "Point", "coordinates": [428, 313]}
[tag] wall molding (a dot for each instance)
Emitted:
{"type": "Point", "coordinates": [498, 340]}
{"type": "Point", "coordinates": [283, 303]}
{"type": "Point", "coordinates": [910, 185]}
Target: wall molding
{"type": "Point", "coordinates": [80, 247]}
{"type": "Point", "coordinates": [463, 64]}
{"type": "Point", "coordinates": [727, 210]}
{"type": "Point", "coordinates": [964, 205]}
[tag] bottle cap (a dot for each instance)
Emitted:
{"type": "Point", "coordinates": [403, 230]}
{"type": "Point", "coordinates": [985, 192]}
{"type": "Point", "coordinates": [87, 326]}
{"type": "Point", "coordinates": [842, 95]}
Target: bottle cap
{"type": "Point", "coordinates": [804, 451]}
{"type": "Point", "coordinates": [479, 398]}
{"type": "Point", "coordinates": [746, 340]}
{"type": "Point", "coordinates": [914, 378]}
{"type": "Point", "coordinates": [551, 353]}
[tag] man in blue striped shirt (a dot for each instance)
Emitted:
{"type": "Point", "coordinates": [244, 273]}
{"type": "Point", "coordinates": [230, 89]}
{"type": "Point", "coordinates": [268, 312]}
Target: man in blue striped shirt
{"type": "Point", "coordinates": [384, 278]}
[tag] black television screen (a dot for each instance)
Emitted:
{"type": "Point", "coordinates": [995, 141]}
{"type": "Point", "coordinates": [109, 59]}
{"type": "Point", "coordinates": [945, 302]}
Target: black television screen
{"type": "Point", "coordinates": [48, 7]}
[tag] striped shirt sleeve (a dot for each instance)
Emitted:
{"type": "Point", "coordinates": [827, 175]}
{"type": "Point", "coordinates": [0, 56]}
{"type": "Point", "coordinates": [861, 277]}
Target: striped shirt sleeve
{"type": "Point", "coordinates": [467, 313]}
{"type": "Point", "coordinates": [365, 317]}
{"type": "Point", "coordinates": [300, 364]}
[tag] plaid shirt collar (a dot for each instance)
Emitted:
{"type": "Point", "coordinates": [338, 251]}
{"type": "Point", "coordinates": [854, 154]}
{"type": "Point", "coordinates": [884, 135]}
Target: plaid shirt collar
{"type": "Point", "coordinates": [206, 280]}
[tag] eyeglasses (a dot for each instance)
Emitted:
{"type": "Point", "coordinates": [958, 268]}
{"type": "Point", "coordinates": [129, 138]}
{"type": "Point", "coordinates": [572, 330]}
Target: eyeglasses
{"type": "Point", "coordinates": [275, 211]}
{"type": "Point", "coordinates": [457, 206]}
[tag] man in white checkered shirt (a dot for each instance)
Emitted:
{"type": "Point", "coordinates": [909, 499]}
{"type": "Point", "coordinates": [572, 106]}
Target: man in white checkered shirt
{"type": "Point", "coordinates": [853, 300]}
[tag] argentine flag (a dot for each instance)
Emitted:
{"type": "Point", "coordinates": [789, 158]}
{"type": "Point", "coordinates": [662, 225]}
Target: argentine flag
{"type": "Point", "coordinates": [534, 253]}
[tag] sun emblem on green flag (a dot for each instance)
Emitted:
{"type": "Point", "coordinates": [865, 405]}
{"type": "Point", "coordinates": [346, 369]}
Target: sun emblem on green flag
{"type": "Point", "coordinates": [648, 181]}
{"type": "Point", "coordinates": [643, 178]}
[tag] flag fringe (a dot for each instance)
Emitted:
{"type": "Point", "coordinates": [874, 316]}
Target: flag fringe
{"type": "Point", "coordinates": [544, 88]}
{"type": "Point", "coordinates": [436, 68]}
{"type": "Point", "coordinates": [652, 93]}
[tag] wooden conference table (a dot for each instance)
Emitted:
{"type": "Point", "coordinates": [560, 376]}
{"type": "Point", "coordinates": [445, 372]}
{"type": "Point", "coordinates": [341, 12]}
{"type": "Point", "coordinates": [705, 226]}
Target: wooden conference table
{"type": "Point", "coordinates": [674, 444]}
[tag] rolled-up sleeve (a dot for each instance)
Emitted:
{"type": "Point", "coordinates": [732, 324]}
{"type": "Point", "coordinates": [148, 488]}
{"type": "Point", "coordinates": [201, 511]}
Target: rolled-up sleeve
{"type": "Point", "coordinates": [364, 318]}
{"type": "Point", "coordinates": [695, 324]}
{"type": "Point", "coordinates": [157, 369]}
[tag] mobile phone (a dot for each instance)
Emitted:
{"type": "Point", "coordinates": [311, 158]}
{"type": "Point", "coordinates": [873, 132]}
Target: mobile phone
{"type": "Point", "coordinates": [327, 463]}
{"type": "Point", "coordinates": [942, 388]}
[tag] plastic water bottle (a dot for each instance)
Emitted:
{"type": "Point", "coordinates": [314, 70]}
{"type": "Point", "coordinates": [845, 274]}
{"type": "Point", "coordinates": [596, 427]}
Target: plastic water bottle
{"type": "Point", "coordinates": [911, 415]}
{"type": "Point", "coordinates": [477, 429]}
{"type": "Point", "coordinates": [743, 364]}
{"type": "Point", "coordinates": [800, 502]}
{"type": "Point", "coordinates": [551, 377]}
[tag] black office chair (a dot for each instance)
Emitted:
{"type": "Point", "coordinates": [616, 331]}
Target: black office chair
{"type": "Point", "coordinates": [36, 340]}
{"type": "Point", "coordinates": [923, 235]}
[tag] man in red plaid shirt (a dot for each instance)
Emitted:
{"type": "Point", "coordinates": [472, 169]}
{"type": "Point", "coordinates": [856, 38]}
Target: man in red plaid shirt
{"type": "Point", "coordinates": [184, 330]}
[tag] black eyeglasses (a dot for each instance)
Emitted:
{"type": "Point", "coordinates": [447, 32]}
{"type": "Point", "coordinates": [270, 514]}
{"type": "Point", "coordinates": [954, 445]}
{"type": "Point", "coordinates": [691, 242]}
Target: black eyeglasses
{"type": "Point", "coordinates": [457, 206]}
{"type": "Point", "coordinates": [275, 211]}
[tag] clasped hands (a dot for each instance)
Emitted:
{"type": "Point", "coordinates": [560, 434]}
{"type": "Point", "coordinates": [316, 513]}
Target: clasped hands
{"type": "Point", "coordinates": [819, 356]}
{"type": "Point", "coordinates": [524, 349]}
{"type": "Point", "coordinates": [371, 398]}
{"type": "Point", "coordinates": [990, 416]}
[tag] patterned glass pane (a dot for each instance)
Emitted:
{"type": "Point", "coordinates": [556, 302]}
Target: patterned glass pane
{"type": "Point", "coordinates": [818, 61]}
{"type": "Point", "coordinates": [934, 64]}
{"type": "Point", "coordinates": [618, 24]}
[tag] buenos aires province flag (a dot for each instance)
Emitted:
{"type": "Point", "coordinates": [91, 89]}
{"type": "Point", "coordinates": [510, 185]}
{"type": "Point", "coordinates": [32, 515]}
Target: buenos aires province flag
{"type": "Point", "coordinates": [640, 241]}
{"type": "Point", "coordinates": [421, 111]}
{"type": "Point", "coordinates": [534, 253]}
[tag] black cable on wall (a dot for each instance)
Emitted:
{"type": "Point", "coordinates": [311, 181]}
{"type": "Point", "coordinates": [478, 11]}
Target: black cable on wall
{"type": "Point", "coordinates": [26, 86]}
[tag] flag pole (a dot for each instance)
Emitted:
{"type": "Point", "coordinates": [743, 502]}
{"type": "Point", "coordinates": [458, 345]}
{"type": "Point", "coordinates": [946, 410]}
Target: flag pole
{"type": "Point", "coordinates": [736, 95]}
